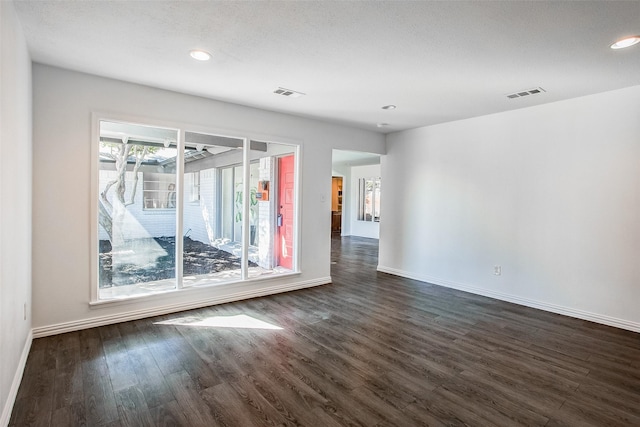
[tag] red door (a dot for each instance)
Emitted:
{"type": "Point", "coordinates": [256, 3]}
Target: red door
{"type": "Point", "coordinates": [284, 235]}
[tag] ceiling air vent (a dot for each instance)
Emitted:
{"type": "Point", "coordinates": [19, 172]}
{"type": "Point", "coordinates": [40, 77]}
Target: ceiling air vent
{"type": "Point", "coordinates": [527, 92]}
{"type": "Point", "coordinates": [288, 92]}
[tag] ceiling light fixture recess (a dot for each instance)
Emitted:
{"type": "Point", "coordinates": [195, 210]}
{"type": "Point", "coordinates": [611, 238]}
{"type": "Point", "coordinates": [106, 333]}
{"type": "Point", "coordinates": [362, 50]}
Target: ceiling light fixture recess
{"type": "Point", "coordinates": [200, 55]}
{"type": "Point", "coordinates": [381, 125]}
{"type": "Point", "coordinates": [626, 42]}
{"type": "Point", "coordinates": [389, 107]}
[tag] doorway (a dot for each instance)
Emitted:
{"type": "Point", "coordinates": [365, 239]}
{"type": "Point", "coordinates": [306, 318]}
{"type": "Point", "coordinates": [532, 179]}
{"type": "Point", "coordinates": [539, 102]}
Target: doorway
{"type": "Point", "coordinates": [348, 169]}
{"type": "Point", "coordinates": [336, 204]}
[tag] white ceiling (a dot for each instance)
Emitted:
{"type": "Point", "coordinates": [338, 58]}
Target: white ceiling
{"type": "Point", "coordinates": [437, 61]}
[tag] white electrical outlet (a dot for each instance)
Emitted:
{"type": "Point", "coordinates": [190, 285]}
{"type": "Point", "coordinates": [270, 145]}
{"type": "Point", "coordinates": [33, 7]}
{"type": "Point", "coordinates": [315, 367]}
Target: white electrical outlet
{"type": "Point", "coordinates": [497, 270]}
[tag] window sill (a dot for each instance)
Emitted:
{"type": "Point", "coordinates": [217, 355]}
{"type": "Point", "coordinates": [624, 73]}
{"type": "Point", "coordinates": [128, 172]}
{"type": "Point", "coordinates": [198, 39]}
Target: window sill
{"type": "Point", "coordinates": [171, 293]}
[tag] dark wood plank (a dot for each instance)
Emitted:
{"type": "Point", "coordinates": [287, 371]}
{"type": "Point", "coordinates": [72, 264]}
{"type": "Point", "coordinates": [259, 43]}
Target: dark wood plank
{"type": "Point", "coordinates": [99, 399]}
{"type": "Point", "coordinates": [193, 407]}
{"type": "Point", "coordinates": [72, 415]}
{"type": "Point", "coordinates": [132, 408]}
{"type": "Point", "coordinates": [168, 414]}
{"type": "Point", "coordinates": [119, 364]}
{"type": "Point", "coordinates": [32, 411]}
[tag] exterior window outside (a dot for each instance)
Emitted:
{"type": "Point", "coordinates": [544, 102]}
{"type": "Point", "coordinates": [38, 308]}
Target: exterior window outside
{"type": "Point", "coordinates": [369, 199]}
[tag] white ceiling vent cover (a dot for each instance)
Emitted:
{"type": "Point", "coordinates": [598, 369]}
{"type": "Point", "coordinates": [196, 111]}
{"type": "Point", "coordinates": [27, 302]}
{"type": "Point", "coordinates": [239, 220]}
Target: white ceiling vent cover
{"type": "Point", "coordinates": [523, 93]}
{"type": "Point", "coordinates": [288, 92]}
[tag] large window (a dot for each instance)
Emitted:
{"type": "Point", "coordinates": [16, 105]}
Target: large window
{"type": "Point", "coordinates": [172, 211]}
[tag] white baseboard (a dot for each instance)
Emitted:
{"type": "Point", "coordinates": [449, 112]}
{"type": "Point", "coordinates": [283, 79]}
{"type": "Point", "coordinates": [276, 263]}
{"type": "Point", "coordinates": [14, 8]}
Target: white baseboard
{"type": "Point", "coordinates": [553, 308]}
{"type": "Point", "coordinates": [15, 384]}
{"type": "Point", "coordinates": [61, 328]}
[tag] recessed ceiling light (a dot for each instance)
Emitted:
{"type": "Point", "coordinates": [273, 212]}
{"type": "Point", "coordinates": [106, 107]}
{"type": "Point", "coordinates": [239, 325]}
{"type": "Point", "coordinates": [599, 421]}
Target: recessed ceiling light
{"type": "Point", "coordinates": [381, 125]}
{"type": "Point", "coordinates": [626, 42]}
{"type": "Point", "coordinates": [200, 55]}
{"type": "Point", "coordinates": [389, 107]}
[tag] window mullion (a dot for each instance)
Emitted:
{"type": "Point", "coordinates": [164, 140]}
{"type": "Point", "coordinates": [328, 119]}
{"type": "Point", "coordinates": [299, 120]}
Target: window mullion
{"type": "Point", "coordinates": [373, 201]}
{"type": "Point", "coordinates": [246, 203]}
{"type": "Point", "coordinates": [179, 242]}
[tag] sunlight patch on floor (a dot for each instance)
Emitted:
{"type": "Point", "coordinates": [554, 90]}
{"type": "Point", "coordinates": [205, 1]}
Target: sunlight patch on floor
{"type": "Point", "coordinates": [237, 321]}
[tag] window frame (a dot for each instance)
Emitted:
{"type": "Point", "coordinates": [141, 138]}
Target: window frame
{"type": "Point", "coordinates": [181, 195]}
{"type": "Point", "coordinates": [376, 187]}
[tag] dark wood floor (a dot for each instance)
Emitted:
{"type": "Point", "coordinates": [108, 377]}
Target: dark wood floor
{"type": "Point", "coordinates": [371, 349]}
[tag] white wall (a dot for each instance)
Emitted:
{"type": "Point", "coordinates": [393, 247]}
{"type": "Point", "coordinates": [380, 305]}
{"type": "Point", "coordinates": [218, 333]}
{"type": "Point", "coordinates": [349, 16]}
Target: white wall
{"type": "Point", "coordinates": [15, 206]}
{"type": "Point", "coordinates": [63, 103]}
{"type": "Point", "coordinates": [369, 229]}
{"type": "Point", "coordinates": [550, 193]}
